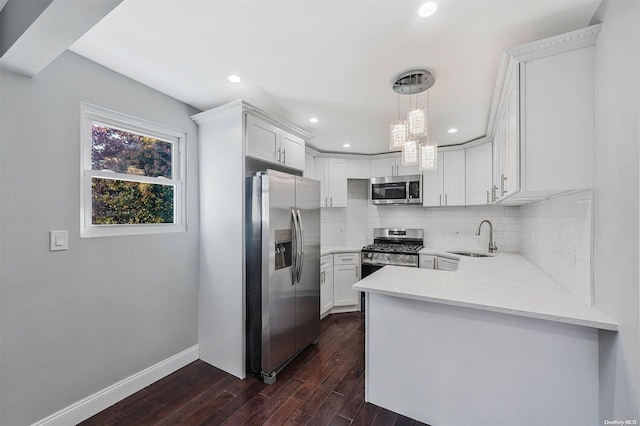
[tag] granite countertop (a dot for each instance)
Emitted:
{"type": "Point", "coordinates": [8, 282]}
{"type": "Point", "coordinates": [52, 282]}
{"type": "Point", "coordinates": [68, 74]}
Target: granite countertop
{"type": "Point", "coordinates": [506, 283]}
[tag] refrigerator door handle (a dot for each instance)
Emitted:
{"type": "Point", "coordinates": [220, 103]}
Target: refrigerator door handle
{"type": "Point", "coordinates": [294, 259]}
{"type": "Point", "coordinates": [301, 263]}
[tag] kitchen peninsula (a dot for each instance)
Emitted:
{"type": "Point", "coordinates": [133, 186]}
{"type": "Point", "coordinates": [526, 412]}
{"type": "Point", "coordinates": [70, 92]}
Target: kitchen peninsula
{"type": "Point", "coordinates": [496, 342]}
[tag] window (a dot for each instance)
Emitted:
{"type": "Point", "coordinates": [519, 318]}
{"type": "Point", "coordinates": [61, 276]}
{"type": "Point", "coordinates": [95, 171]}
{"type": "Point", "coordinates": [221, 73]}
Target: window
{"type": "Point", "coordinates": [132, 175]}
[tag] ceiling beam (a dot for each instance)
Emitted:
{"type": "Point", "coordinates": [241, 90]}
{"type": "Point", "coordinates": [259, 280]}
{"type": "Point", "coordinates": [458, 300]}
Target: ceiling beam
{"type": "Point", "coordinates": [34, 33]}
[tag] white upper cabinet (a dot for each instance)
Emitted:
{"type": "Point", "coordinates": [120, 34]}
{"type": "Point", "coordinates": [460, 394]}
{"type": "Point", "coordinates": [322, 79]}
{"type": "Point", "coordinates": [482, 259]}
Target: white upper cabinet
{"type": "Point", "coordinates": [446, 185]}
{"type": "Point", "coordinates": [263, 140]}
{"type": "Point", "coordinates": [478, 174]}
{"type": "Point", "coordinates": [332, 174]}
{"type": "Point", "coordinates": [308, 166]}
{"type": "Point", "coordinates": [385, 166]}
{"type": "Point", "coordinates": [543, 134]}
{"type": "Point", "coordinates": [267, 142]}
{"type": "Point", "coordinates": [358, 168]}
{"type": "Point", "coordinates": [292, 151]}
{"type": "Point", "coordinates": [391, 166]}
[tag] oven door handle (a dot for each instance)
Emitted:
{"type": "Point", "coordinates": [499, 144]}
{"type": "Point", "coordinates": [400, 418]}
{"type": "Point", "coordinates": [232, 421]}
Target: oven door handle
{"type": "Point", "coordinates": [375, 263]}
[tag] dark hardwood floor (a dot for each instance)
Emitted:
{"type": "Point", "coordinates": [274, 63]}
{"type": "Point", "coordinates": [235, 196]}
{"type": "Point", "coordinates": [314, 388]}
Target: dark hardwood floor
{"type": "Point", "coordinates": [324, 385]}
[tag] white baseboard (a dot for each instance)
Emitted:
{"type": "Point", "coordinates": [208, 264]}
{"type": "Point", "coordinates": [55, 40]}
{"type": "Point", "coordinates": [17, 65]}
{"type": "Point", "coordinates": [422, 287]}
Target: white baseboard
{"type": "Point", "coordinates": [105, 398]}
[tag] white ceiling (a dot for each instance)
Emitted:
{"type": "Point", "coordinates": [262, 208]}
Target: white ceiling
{"type": "Point", "coordinates": [333, 59]}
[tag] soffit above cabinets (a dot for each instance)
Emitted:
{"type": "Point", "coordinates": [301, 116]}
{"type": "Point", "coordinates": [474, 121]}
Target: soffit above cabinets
{"type": "Point", "coordinates": [328, 59]}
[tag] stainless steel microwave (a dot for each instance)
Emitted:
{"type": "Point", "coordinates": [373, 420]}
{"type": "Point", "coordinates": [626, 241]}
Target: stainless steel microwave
{"type": "Point", "coordinates": [396, 190]}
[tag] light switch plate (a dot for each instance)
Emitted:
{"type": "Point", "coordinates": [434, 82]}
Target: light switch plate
{"type": "Point", "coordinates": [58, 240]}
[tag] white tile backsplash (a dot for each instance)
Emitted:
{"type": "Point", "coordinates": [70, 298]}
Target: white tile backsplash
{"type": "Point", "coordinates": [452, 227]}
{"type": "Point", "coordinates": [556, 236]}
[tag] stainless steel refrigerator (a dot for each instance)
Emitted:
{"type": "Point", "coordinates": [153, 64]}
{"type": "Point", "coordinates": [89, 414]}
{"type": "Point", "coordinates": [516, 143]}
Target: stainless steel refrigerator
{"type": "Point", "coordinates": [282, 269]}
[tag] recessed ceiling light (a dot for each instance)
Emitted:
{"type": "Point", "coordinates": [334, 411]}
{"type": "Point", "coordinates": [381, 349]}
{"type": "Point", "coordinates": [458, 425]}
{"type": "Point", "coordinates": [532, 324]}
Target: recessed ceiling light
{"type": "Point", "coordinates": [313, 120]}
{"type": "Point", "coordinates": [346, 145]}
{"type": "Point", "coordinates": [452, 130]}
{"type": "Point", "coordinates": [427, 9]}
{"type": "Point", "coordinates": [234, 78]}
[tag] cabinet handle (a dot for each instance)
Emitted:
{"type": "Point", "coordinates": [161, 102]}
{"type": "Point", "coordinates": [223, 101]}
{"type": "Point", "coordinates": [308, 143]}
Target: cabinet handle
{"type": "Point", "coordinates": [326, 201]}
{"type": "Point", "coordinates": [488, 199]}
{"type": "Point", "coordinates": [502, 179]}
{"type": "Point", "coordinates": [331, 199]}
{"type": "Point", "coordinates": [494, 188]}
{"type": "Point", "coordinates": [446, 202]}
{"type": "Point", "coordinates": [279, 155]}
{"type": "Point", "coordinates": [322, 277]}
{"type": "Point", "coordinates": [284, 156]}
{"type": "Point", "coordinates": [440, 199]}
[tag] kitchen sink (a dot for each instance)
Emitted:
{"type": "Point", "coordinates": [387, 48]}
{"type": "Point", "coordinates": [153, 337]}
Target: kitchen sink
{"type": "Point", "coordinates": [470, 254]}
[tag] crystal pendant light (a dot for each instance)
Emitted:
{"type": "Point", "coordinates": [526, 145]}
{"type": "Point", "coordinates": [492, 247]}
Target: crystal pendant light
{"type": "Point", "coordinates": [410, 153]}
{"type": "Point", "coordinates": [397, 135]}
{"type": "Point", "coordinates": [417, 123]}
{"type": "Point", "coordinates": [397, 132]}
{"type": "Point", "coordinates": [405, 135]}
{"type": "Point", "coordinates": [428, 156]}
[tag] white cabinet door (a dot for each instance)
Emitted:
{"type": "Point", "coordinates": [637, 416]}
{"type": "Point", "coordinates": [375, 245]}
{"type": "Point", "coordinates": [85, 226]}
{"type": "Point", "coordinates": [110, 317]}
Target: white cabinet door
{"type": "Point", "coordinates": [432, 185]}
{"type": "Point", "coordinates": [308, 166]}
{"type": "Point", "coordinates": [381, 167]}
{"type": "Point", "coordinates": [344, 276]}
{"type": "Point", "coordinates": [332, 174]}
{"type": "Point", "coordinates": [478, 174]}
{"type": "Point", "coordinates": [326, 284]}
{"type": "Point", "coordinates": [512, 183]}
{"type": "Point", "coordinates": [358, 169]}
{"type": "Point", "coordinates": [427, 261]}
{"type": "Point", "coordinates": [337, 182]}
{"type": "Point", "coordinates": [262, 139]}
{"type": "Point", "coordinates": [445, 264]}
{"type": "Point", "coordinates": [453, 181]}
{"type": "Point", "coordinates": [320, 172]}
{"type": "Point", "coordinates": [292, 151]}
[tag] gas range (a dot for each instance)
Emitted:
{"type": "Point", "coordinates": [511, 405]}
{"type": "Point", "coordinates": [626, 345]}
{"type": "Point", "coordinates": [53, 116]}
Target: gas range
{"type": "Point", "coordinates": [392, 246]}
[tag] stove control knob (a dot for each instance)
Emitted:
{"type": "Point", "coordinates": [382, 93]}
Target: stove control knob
{"type": "Point", "coordinates": [369, 255]}
{"type": "Point", "coordinates": [387, 256]}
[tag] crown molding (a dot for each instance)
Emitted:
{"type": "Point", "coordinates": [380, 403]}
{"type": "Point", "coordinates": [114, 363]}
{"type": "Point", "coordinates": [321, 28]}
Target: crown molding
{"type": "Point", "coordinates": [512, 57]}
{"type": "Point", "coordinates": [246, 107]}
{"type": "Point", "coordinates": [578, 39]}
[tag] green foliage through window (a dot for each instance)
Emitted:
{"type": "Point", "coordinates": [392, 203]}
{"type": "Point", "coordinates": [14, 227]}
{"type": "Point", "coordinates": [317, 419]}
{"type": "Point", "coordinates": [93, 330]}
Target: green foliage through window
{"type": "Point", "coordinates": [126, 202]}
{"type": "Point", "coordinates": [125, 152]}
{"type": "Point", "coordinates": [119, 201]}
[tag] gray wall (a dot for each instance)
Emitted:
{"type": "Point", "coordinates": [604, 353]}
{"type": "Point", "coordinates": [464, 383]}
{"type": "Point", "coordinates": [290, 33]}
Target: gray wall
{"type": "Point", "coordinates": [77, 321]}
{"type": "Point", "coordinates": [616, 252]}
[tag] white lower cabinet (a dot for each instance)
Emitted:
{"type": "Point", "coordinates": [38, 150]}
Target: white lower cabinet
{"type": "Point", "coordinates": [338, 273]}
{"type": "Point", "coordinates": [326, 284]}
{"type": "Point", "coordinates": [441, 263]}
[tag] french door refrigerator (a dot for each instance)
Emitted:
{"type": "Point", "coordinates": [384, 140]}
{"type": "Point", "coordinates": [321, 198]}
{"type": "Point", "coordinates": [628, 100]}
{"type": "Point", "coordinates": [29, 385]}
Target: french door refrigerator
{"type": "Point", "coordinates": [282, 269]}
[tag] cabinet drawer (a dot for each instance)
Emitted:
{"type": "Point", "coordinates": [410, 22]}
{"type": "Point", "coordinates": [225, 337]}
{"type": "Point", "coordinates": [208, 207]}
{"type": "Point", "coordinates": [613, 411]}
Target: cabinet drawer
{"type": "Point", "coordinates": [346, 258]}
{"type": "Point", "coordinates": [326, 261]}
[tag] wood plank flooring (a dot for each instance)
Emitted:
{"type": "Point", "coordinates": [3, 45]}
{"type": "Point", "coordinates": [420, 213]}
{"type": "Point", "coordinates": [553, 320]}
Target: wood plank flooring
{"type": "Point", "coordinates": [324, 385]}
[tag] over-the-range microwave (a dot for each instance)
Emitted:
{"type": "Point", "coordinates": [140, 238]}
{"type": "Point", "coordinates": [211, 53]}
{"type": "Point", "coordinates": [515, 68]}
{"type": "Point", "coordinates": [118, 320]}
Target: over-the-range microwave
{"type": "Point", "coordinates": [396, 190]}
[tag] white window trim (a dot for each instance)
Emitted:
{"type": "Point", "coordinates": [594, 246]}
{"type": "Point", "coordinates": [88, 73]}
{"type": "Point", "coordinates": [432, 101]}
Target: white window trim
{"type": "Point", "coordinates": [92, 113]}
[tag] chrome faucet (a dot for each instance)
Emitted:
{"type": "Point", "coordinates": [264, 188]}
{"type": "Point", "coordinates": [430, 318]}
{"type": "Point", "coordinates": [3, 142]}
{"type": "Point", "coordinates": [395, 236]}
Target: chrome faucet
{"type": "Point", "coordinates": [492, 245]}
